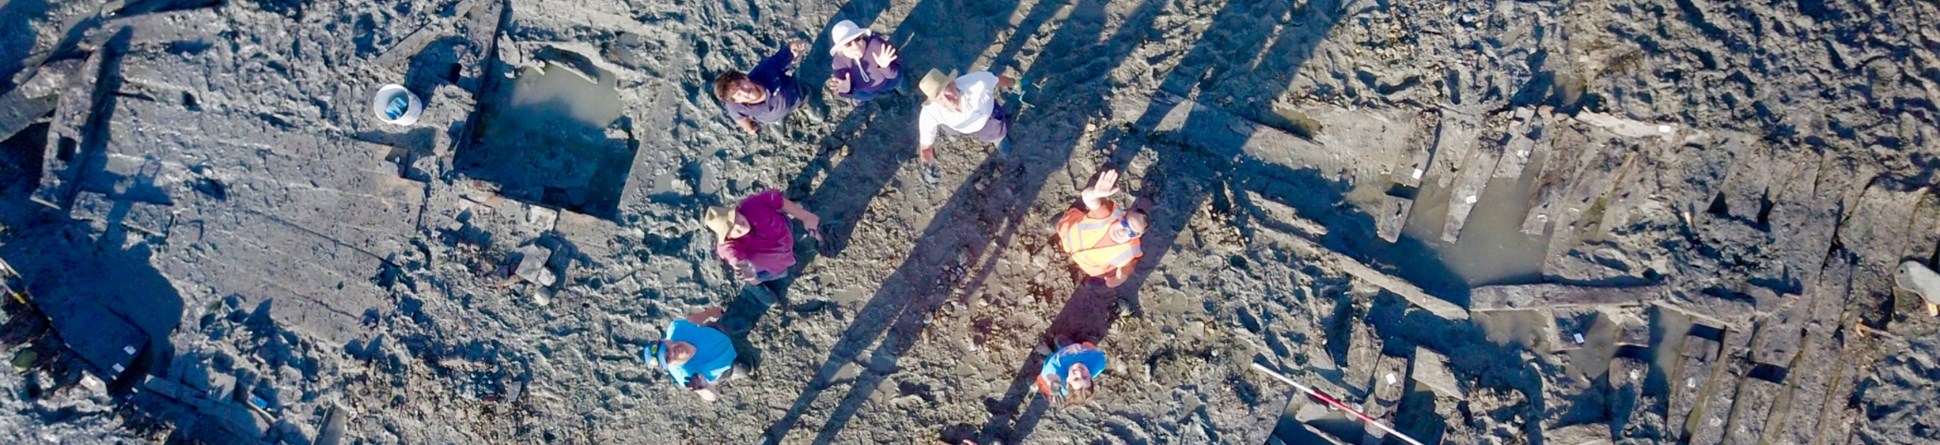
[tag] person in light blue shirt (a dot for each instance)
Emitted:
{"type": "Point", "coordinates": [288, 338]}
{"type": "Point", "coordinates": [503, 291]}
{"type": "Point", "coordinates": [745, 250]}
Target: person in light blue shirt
{"type": "Point", "coordinates": [1067, 376]}
{"type": "Point", "coordinates": [696, 353]}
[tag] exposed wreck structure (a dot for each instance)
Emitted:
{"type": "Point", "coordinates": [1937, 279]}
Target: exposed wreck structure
{"type": "Point", "coordinates": [1478, 222]}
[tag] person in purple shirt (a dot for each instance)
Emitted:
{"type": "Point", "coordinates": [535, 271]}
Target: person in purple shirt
{"type": "Point", "coordinates": [765, 95]}
{"type": "Point", "coordinates": [754, 238]}
{"type": "Point", "coordinates": [863, 65]}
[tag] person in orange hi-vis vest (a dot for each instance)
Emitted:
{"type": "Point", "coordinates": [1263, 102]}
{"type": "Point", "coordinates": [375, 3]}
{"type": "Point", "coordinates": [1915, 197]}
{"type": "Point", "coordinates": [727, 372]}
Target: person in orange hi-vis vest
{"type": "Point", "coordinates": [1102, 238]}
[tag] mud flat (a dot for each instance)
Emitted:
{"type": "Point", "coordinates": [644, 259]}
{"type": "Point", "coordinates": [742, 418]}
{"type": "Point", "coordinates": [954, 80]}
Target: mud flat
{"type": "Point", "coordinates": [1635, 221]}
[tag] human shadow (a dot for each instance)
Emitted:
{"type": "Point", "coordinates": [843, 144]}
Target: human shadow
{"type": "Point", "coordinates": [1071, 59]}
{"type": "Point", "coordinates": [1317, 197]}
{"type": "Point", "coordinates": [889, 323]}
{"type": "Point", "coordinates": [438, 63]}
{"type": "Point", "coordinates": [75, 161]}
{"type": "Point", "coordinates": [1086, 317]}
{"type": "Point", "coordinates": [740, 316]}
{"type": "Point", "coordinates": [1282, 37]}
{"type": "Point", "coordinates": [108, 304]}
{"type": "Point", "coordinates": [1289, 36]}
{"type": "Point", "coordinates": [989, 205]}
{"type": "Point", "coordinates": [15, 44]}
{"type": "Point", "coordinates": [878, 135]}
{"type": "Point", "coordinates": [110, 307]}
{"type": "Point", "coordinates": [21, 159]}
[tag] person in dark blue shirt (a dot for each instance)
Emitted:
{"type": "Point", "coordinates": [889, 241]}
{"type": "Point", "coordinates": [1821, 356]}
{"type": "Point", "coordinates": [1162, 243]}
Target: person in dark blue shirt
{"type": "Point", "coordinates": [762, 96]}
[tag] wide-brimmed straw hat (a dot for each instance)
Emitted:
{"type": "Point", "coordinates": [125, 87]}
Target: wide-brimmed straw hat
{"type": "Point", "coordinates": [719, 219]}
{"type": "Point", "coordinates": [934, 81]}
{"type": "Point", "coordinates": [844, 32]}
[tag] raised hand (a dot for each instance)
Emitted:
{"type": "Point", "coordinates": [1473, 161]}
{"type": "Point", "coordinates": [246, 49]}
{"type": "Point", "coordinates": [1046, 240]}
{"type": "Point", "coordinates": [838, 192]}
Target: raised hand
{"type": "Point", "coordinates": [1105, 186]}
{"type": "Point", "coordinates": [799, 47]}
{"type": "Point", "coordinates": [886, 56]}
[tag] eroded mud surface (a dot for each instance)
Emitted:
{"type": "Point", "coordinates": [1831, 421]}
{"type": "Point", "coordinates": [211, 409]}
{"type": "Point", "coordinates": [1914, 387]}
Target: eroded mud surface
{"type": "Point", "coordinates": [1484, 222]}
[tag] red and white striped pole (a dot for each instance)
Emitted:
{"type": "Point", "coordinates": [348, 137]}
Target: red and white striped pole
{"type": "Point", "coordinates": [1336, 403]}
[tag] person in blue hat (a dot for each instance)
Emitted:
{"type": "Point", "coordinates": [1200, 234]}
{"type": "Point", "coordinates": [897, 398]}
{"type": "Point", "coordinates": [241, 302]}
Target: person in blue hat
{"type": "Point", "coordinates": [696, 353]}
{"type": "Point", "coordinates": [1066, 379]}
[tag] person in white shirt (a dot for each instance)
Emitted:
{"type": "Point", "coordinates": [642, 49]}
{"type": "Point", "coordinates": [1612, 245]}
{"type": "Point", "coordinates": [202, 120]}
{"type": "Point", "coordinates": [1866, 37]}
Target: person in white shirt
{"type": "Point", "coordinates": [964, 105]}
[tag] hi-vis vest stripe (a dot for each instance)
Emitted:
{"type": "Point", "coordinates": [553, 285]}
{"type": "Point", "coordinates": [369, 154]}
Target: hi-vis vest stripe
{"type": "Point", "coordinates": [1080, 238]}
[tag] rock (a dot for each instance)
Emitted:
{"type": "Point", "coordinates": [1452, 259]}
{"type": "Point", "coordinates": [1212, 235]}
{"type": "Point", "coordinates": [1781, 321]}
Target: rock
{"type": "Point", "coordinates": [540, 219]}
{"type": "Point", "coordinates": [532, 265]}
{"type": "Point", "coordinates": [93, 385]}
{"type": "Point", "coordinates": [1626, 127]}
{"type": "Point", "coordinates": [1430, 369]}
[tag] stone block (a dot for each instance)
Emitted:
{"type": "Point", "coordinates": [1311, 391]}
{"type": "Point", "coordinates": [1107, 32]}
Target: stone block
{"type": "Point", "coordinates": [1467, 189]}
{"type": "Point", "coordinates": [1565, 149]}
{"type": "Point", "coordinates": [1413, 163]}
{"type": "Point", "coordinates": [1606, 169]}
{"type": "Point", "coordinates": [1802, 218]}
{"type": "Point", "coordinates": [1752, 414]}
{"type": "Point", "coordinates": [1390, 379]}
{"type": "Point", "coordinates": [1698, 361]}
{"type": "Point", "coordinates": [1363, 352]}
{"type": "Point", "coordinates": [1534, 296]}
{"type": "Point", "coordinates": [1578, 434]}
{"type": "Point", "coordinates": [1779, 336]}
{"type": "Point", "coordinates": [1709, 421]}
{"type": "Point", "coordinates": [533, 265]}
{"type": "Point", "coordinates": [1430, 370]}
{"type": "Point", "coordinates": [1394, 216]}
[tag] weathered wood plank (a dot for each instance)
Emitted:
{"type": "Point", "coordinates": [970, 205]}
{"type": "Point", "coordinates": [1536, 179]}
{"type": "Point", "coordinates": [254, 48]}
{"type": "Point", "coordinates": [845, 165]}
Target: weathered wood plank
{"type": "Point", "coordinates": [1412, 164]}
{"type": "Point", "coordinates": [1393, 217]}
{"type": "Point", "coordinates": [1530, 296]}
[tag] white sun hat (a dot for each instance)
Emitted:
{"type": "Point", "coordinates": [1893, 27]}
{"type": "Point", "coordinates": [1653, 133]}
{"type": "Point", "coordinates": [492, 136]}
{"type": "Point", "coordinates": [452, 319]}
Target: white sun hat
{"type": "Point", "coordinates": [844, 32]}
{"type": "Point", "coordinates": [382, 102]}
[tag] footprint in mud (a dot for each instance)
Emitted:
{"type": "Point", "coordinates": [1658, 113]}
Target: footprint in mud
{"type": "Point", "coordinates": [1127, 431]}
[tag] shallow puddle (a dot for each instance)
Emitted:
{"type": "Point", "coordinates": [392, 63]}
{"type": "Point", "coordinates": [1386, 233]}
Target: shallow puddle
{"type": "Point", "coordinates": [1492, 248]}
{"type": "Point", "coordinates": [553, 140]}
{"type": "Point", "coordinates": [594, 102]}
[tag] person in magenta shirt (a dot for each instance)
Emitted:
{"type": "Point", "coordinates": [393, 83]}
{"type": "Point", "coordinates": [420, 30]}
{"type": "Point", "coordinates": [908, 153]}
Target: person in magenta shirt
{"type": "Point", "coordinates": [754, 238]}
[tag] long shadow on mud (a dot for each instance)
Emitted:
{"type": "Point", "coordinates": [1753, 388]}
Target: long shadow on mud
{"type": "Point", "coordinates": [990, 204]}
{"type": "Point", "coordinates": [15, 17]}
{"type": "Point", "coordinates": [880, 136]}
{"type": "Point", "coordinates": [1185, 177]}
{"type": "Point", "coordinates": [1204, 71]}
{"type": "Point", "coordinates": [1236, 31]}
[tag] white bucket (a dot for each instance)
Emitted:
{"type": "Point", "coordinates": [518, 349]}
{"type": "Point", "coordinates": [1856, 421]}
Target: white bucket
{"type": "Point", "coordinates": [381, 103]}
